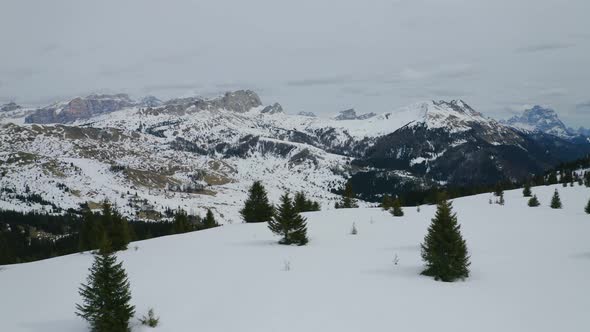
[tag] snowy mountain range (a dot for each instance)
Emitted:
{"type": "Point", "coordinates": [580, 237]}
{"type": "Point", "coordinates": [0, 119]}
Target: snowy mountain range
{"type": "Point", "coordinates": [199, 153]}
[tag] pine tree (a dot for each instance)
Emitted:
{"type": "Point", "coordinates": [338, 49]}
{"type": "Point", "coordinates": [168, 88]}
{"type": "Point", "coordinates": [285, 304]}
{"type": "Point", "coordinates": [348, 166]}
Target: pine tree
{"type": "Point", "coordinates": [387, 202]}
{"type": "Point", "coordinates": [556, 201]}
{"type": "Point", "coordinates": [498, 192]}
{"type": "Point", "coordinates": [210, 221]}
{"type": "Point", "coordinates": [119, 234]}
{"type": "Point", "coordinates": [587, 209]}
{"type": "Point", "coordinates": [552, 178]}
{"type": "Point", "coordinates": [353, 230]}
{"type": "Point", "coordinates": [397, 210]}
{"type": "Point", "coordinates": [526, 192]}
{"type": "Point", "coordinates": [257, 208]}
{"type": "Point", "coordinates": [444, 250]}
{"type": "Point", "coordinates": [348, 199]}
{"type": "Point", "coordinates": [92, 232]}
{"type": "Point", "coordinates": [181, 223]}
{"type": "Point", "coordinates": [533, 201]}
{"type": "Point", "coordinates": [302, 204]}
{"type": "Point", "coordinates": [288, 223]}
{"type": "Point", "coordinates": [106, 295]}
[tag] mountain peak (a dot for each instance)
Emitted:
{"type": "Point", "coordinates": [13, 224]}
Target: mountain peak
{"type": "Point", "coordinates": [540, 119]}
{"type": "Point", "coordinates": [350, 114]}
{"type": "Point", "coordinates": [12, 106]}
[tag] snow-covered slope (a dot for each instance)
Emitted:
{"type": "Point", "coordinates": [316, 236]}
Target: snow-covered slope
{"type": "Point", "coordinates": [529, 272]}
{"type": "Point", "coordinates": [200, 153]}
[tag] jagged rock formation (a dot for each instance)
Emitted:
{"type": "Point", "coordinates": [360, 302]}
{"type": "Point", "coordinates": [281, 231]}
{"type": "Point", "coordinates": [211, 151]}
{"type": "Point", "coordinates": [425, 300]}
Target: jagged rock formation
{"type": "Point", "coordinates": [150, 101]}
{"type": "Point", "coordinates": [350, 114]}
{"type": "Point", "coordinates": [540, 119]}
{"type": "Point", "coordinates": [80, 108]}
{"type": "Point", "coordinates": [272, 109]}
{"type": "Point", "coordinates": [12, 106]}
{"type": "Point", "coordinates": [220, 145]}
{"type": "Point", "coordinates": [309, 114]}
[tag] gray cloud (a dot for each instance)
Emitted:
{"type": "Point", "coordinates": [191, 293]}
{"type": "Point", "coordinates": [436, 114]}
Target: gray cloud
{"type": "Point", "coordinates": [374, 55]}
{"type": "Point", "coordinates": [583, 106]}
{"type": "Point", "coordinates": [544, 47]}
{"type": "Point", "coordinates": [319, 81]}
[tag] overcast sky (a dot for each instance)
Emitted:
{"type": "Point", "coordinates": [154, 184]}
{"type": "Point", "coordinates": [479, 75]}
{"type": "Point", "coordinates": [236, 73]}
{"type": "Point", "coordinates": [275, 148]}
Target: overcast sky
{"type": "Point", "coordinates": [309, 55]}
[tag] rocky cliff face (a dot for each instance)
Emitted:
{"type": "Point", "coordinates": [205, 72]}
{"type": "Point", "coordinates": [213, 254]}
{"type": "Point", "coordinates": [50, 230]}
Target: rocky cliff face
{"type": "Point", "coordinates": [9, 107]}
{"type": "Point", "coordinates": [350, 114]}
{"type": "Point", "coordinates": [540, 119]}
{"type": "Point", "coordinates": [80, 108]}
{"type": "Point", "coordinates": [272, 109]}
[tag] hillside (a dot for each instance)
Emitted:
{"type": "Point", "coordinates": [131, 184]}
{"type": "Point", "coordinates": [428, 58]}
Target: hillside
{"type": "Point", "coordinates": [529, 273]}
{"type": "Point", "coordinates": [148, 156]}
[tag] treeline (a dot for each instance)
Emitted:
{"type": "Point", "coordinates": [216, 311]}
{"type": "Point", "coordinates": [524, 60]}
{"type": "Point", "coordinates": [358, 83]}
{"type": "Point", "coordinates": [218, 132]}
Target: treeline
{"type": "Point", "coordinates": [26, 237]}
{"type": "Point", "coordinates": [565, 173]}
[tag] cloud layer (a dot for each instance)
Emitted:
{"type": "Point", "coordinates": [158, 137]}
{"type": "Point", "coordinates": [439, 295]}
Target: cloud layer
{"type": "Point", "coordinates": [319, 56]}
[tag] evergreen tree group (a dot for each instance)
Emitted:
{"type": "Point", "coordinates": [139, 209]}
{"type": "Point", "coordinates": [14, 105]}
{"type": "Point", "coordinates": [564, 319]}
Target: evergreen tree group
{"type": "Point", "coordinates": [209, 221]}
{"type": "Point", "coordinates": [348, 198]}
{"type": "Point", "coordinates": [257, 207]}
{"type": "Point", "coordinates": [181, 223]}
{"type": "Point", "coordinates": [109, 225]}
{"type": "Point", "coordinates": [444, 250]}
{"type": "Point", "coordinates": [587, 208]}
{"type": "Point", "coordinates": [302, 204]}
{"type": "Point", "coordinates": [556, 201]}
{"type": "Point", "coordinates": [288, 223]}
{"type": "Point", "coordinates": [387, 202]}
{"type": "Point", "coordinates": [106, 295]}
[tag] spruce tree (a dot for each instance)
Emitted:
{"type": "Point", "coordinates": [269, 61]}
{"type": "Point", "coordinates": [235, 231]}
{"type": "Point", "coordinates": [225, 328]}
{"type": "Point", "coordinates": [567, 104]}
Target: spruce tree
{"type": "Point", "coordinates": [533, 201]}
{"type": "Point", "coordinates": [300, 202]}
{"type": "Point", "coordinates": [526, 192]}
{"type": "Point", "coordinates": [556, 201]}
{"type": "Point", "coordinates": [444, 250]}
{"type": "Point", "coordinates": [210, 221]}
{"type": "Point", "coordinates": [587, 209]}
{"type": "Point", "coordinates": [498, 191]}
{"type": "Point", "coordinates": [348, 199]}
{"type": "Point", "coordinates": [106, 295]}
{"type": "Point", "coordinates": [396, 206]}
{"type": "Point", "coordinates": [119, 234]}
{"type": "Point", "coordinates": [257, 208]}
{"type": "Point", "coordinates": [387, 202]}
{"type": "Point", "coordinates": [288, 223]}
{"type": "Point", "coordinates": [181, 223]}
{"type": "Point", "coordinates": [92, 232]}
{"type": "Point", "coordinates": [303, 204]}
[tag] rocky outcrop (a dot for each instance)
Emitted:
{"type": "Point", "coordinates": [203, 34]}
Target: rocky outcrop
{"type": "Point", "coordinates": [150, 101]}
{"type": "Point", "coordinates": [540, 119]}
{"type": "Point", "coordinates": [272, 109]}
{"type": "Point", "coordinates": [9, 107]}
{"type": "Point", "coordinates": [308, 114]}
{"type": "Point", "coordinates": [80, 108]}
{"type": "Point", "coordinates": [240, 101]}
{"type": "Point", "coordinates": [350, 114]}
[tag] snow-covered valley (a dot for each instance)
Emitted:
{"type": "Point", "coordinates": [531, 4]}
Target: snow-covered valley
{"type": "Point", "coordinates": [530, 270]}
